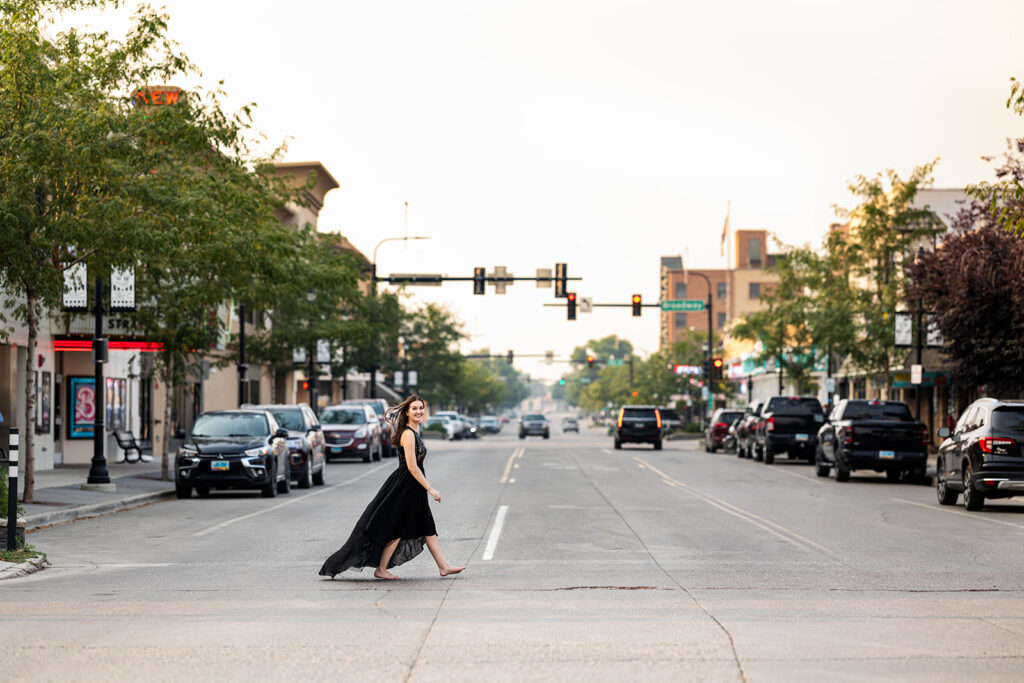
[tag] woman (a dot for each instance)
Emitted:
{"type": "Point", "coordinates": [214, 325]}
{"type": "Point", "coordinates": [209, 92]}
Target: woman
{"type": "Point", "coordinates": [397, 522]}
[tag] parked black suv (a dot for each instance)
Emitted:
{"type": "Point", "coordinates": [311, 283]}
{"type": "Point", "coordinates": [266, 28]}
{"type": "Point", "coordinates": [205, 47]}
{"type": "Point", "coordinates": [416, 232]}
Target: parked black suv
{"type": "Point", "coordinates": [788, 424]}
{"type": "Point", "coordinates": [241, 449]}
{"type": "Point", "coordinates": [982, 457]}
{"type": "Point", "coordinates": [305, 443]}
{"type": "Point", "coordinates": [872, 435]}
{"type": "Point", "coordinates": [638, 424]}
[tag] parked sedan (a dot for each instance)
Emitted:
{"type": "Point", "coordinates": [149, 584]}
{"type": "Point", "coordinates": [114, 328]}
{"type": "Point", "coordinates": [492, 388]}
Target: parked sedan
{"type": "Point", "coordinates": [718, 428]}
{"type": "Point", "coordinates": [439, 426]}
{"type": "Point", "coordinates": [981, 458]}
{"type": "Point", "coordinates": [380, 407]}
{"type": "Point", "coordinates": [489, 424]}
{"type": "Point", "coordinates": [233, 449]}
{"type": "Point", "coordinates": [352, 430]}
{"type": "Point", "coordinates": [305, 443]}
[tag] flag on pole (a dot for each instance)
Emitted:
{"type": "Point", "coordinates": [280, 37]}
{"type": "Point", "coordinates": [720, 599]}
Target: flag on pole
{"type": "Point", "coordinates": [725, 228]}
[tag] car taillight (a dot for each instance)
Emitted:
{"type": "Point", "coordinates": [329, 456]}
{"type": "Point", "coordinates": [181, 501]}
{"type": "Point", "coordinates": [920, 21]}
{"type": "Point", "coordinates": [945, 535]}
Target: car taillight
{"type": "Point", "coordinates": [987, 443]}
{"type": "Point", "coordinates": [621, 412]}
{"type": "Point", "coordinates": [722, 425]}
{"type": "Point", "coordinates": [657, 417]}
{"type": "Point", "coordinates": [770, 425]}
{"type": "Point", "coordinates": [849, 435]}
{"type": "Point", "coordinates": [924, 438]}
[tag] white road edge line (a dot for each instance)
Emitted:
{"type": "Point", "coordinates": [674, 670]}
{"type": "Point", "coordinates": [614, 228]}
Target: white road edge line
{"type": "Point", "coordinates": [229, 522]}
{"type": "Point", "coordinates": [492, 540]}
{"type": "Point", "coordinates": [964, 515]}
{"type": "Point", "coordinates": [605, 450]}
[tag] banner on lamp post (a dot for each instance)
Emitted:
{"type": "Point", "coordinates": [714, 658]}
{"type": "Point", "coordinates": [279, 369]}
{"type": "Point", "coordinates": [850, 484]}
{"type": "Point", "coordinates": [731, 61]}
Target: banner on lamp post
{"type": "Point", "coordinates": [75, 291]}
{"type": "Point", "coordinates": [122, 288]}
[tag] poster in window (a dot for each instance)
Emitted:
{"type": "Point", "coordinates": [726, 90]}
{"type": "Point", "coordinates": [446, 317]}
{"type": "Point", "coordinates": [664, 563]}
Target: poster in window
{"type": "Point", "coordinates": [43, 405]}
{"type": "Point", "coordinates": [115, 403]}
{"type": "Point", "coordinates": [82, 401]}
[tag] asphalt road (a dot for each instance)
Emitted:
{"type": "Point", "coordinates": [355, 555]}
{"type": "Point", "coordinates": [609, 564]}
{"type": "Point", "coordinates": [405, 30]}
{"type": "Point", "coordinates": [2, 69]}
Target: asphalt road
{"type": "Point", "coordinates": [584, 563]}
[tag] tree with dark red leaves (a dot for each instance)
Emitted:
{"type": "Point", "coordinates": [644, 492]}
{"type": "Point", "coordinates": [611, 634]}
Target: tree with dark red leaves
{"type": "Point", "coordinates": [973, 284]}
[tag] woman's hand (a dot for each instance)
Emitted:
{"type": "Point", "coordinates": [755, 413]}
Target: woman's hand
{"type": "Point", "coordinates": [435, 494]}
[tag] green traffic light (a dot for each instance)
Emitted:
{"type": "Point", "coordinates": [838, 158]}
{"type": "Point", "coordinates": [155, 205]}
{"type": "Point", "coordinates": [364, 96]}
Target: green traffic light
{"type": "Point", "coordinates": [561, 381]}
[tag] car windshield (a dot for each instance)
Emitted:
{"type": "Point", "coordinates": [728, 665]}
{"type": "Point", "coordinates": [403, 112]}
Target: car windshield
{"type": "Point", "coordinates": [877, 411]}
{"type": "Point", "coordinates": [1008, 419]}
{"type": "Point", "coordinates": [533, 418]}
{"type": "Point", "coordinates": [343, 417]}
{"type": "Point", "coordinates": [794, 406]}
{"type": "Point", "coordinates": [231, 424]}
{"type": "Point", "coordinates": [289, 419]}
{"type": "Point", "coordinates": [729, 418]}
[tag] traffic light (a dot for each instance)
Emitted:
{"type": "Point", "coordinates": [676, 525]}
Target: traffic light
{"type": "Point", "coordinates": [508, 357]}
{"type": "Point", "coordinates": [561, 381]}
{"type": "Point", "coordinates": [479, 275]}
{"type": "Point", "coordinates": [305, 385]}
{"type": "Point", "coordinates": [637, 305]}
{"type": "Point", "coordinates": [560, 281]}
{"type": "Point", "coordinates": [590, 361]}
{"type": "Point", "coordinates": [716, 368]}
{"type": "Point", "coordinates": [570, 306]}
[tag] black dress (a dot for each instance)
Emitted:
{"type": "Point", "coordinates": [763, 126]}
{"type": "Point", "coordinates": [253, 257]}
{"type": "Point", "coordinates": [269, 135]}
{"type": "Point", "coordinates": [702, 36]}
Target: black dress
{"type": "Point", "coordinates": [401, 510]}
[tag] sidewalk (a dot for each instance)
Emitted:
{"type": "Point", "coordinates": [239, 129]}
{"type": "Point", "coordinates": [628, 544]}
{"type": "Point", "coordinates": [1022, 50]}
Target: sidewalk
{"type": "Point", "coordinates": [60, 498]}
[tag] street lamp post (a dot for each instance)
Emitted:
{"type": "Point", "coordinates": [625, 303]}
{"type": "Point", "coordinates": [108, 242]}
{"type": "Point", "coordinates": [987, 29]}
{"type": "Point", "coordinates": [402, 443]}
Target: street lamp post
{"type": "Point", "coordinates": [389, 239]}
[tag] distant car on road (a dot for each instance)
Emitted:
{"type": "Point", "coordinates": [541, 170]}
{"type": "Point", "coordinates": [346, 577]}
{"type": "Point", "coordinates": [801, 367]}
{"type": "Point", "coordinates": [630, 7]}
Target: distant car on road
{"type": "Point", "coordinates": [670, 419]}
{"type": "Point", "coordinates": [233, 449]}
{"type": "Point", "coordinates": [534, 424]}
{"type": "Point", "coordinates": [570, 424]}
{"type": "Point", "coordinates": [352, 430]}
{"type": "Point", "coordinates": [982, 457]}
{"type": "Point", "coordinates": [489, 424]}
{"type": "Point", "coordinates": [638, 424]}
{"type": "Point", "coordinates": [440, 426]}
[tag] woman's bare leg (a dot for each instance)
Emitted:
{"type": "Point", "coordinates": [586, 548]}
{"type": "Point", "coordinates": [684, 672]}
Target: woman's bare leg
{"type": "Point", "coordinates": [381, 572]}
{"type": "Point", "coordinates": [435, 549]}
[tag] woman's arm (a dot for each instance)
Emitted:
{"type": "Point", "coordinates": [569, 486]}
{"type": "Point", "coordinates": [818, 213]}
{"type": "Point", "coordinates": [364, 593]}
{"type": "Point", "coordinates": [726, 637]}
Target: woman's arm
{"type": "Point", "coordinates": [408, 442]}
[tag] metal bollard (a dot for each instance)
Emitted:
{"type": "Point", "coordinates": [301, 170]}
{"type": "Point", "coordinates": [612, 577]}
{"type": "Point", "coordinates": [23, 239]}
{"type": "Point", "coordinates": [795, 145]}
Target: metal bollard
{"type": "Point", "coordinates": [12, 492]}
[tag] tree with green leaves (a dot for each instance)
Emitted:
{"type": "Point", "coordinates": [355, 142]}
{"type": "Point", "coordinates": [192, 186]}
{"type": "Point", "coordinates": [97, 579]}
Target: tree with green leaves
{"type": "Point", "coordinates": [884, 227]}
{"type": "Point", "coordinates": [84, 174]}
{"type": "Point", "coordinates": [1004, 197]}
{"type": "Point", "coordinates": [432, 336]}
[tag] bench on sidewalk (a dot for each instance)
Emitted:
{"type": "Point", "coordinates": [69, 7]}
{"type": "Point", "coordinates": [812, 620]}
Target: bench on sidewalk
{"type": "Point", "coordinates": [127, 442]}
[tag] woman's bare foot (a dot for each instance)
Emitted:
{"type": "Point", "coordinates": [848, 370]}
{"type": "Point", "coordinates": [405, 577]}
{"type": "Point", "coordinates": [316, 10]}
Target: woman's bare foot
{"type": "Point", "coordinates": [384, 574]}
{"type": "Point", "coordinates": [451, 570]}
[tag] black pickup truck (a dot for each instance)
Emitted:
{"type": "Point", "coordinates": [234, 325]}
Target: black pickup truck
{"type": "Point", "coordinates": [872, 435]}
{"type": "Point", "coordinates": [788, 424]}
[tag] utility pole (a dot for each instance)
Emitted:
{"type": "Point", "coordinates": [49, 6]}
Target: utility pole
{"type": "Point", "coordinates": [918, 345]}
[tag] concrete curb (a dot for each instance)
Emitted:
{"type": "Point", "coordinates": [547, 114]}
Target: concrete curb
{"type": "Point", "coordinates": [24, 569]}
{"type": "Point", "coordinates": [41, 519]}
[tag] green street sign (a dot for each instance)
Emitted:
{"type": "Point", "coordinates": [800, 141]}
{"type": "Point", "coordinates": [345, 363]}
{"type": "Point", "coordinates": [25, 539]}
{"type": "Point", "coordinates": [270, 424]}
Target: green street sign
{"type": "Point", "coordinates": [689, 305]}
{"type": "Point", "coordinates": [615, 362]}
{"type": "Point", "coordinates": [584, 380]}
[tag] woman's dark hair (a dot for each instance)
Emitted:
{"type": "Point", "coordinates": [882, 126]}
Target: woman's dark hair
{"type": "Point", "coordinates": [399, 417]}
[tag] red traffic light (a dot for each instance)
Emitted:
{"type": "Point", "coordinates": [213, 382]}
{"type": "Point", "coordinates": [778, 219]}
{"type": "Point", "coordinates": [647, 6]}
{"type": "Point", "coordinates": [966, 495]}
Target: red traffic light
{"type": "Point", "coordinates": [572, 296]}
{"type": "Point", "coordinates": [590, 361]}
{"type": "Point", "coordinates": [717, 362]}
{"type": "Point", "coordinates": [305, 385]}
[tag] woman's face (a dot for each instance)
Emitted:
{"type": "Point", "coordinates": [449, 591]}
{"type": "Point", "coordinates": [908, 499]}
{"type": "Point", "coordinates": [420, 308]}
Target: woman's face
{"type": "Point", "coordinates": [416, 410]}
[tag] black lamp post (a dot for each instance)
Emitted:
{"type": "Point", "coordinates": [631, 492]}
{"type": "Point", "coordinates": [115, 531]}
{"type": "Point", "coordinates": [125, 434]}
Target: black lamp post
{"type": "Point", "coordinates": [99, 477]}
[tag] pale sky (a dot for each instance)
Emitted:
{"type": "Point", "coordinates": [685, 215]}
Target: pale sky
{"type": "Point", "coordinates": [604, 134]}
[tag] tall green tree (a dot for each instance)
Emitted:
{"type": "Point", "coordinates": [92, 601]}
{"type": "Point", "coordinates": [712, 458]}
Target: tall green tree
{"type": "Point", "coordinates": [77, 159]}
{"type": "Point", "coordinates": [432, 336]}
{"type": "Point", "coordinates": [884, 227]}
{"type": "Point", "coordinates": [1004, 197]}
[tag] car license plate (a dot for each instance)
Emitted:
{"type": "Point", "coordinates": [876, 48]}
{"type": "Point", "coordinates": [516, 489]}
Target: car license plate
{"type": "Point", "coordinates": [887, 455]}
{"type": "Point", "coordinates": [334, 449]}
{"type": "Point", "coordinates": [801, 437]}
{"type": "Point", "coordinates": [220, 465]}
